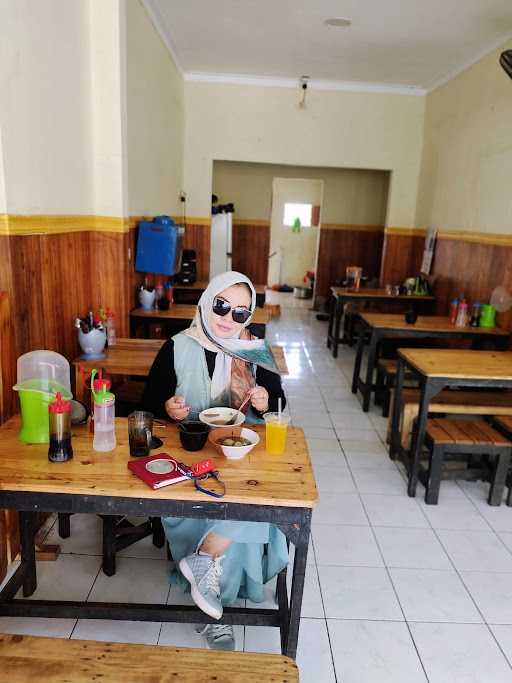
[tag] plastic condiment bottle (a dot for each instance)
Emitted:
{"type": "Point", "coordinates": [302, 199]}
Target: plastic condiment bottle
{"type": "Point", "coordinates": [475, 314]}
{"type": "Point", "coordinates": [462, 314]}
{"type": "Point", "coordinates": [59, 412]}
{"type": "Point", "coordinates": [454, 307]}
{"type": "Point", "coordinates": [104, 418]}
{"type": "Point", "coordinates": [111, 328]}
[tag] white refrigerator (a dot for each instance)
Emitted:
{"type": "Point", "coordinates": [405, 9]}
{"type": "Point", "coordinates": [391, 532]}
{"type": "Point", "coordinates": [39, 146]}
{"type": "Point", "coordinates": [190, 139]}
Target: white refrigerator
{"type": "Point", "coordinates": [221, 243]}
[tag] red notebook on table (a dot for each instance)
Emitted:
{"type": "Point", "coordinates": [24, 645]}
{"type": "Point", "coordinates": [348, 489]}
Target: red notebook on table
{"type": "Point", "coordinates": [159, 470]}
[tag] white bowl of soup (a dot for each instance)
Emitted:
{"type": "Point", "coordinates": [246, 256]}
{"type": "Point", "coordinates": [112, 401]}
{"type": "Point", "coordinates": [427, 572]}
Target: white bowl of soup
{"type": "Point", "coordinates": [234, 442]}
{"type": "Point", "coordinates": [221, 417]}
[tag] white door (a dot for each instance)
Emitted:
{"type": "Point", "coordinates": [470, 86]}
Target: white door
{"type": "Point", "coordinates": [293, 238]}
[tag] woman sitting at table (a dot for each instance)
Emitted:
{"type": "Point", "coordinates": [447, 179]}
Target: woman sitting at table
{"type": "Point", "coordinates": [219, 561]}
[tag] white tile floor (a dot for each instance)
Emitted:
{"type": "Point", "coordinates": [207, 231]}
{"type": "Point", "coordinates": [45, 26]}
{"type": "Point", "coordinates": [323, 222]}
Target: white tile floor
{"type": "Point", "coordinates": [396, 591]}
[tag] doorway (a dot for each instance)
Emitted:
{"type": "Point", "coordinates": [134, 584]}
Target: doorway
{"type": "Point", "coordinates": [294, 229]}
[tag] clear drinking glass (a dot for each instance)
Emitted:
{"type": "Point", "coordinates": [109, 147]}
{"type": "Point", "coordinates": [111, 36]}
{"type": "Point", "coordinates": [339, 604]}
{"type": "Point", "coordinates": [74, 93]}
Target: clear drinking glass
{"type": "Point", "coordinates": [276, 427]}
{"type": "Point", "coordinates": [140, 430]}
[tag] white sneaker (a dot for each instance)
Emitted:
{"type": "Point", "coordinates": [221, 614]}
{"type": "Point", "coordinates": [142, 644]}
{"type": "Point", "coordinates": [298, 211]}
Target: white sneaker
{"type": "Point", "coordinates": [218, 636]}
{"type": "Point", "coordinates": [203, 573]}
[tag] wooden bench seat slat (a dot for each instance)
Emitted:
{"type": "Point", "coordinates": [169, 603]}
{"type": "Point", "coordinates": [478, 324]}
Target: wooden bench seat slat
{"type": "Point", "coordinates": [460, 432]}
{"type": "Point", "coordinates": [55, 660]}
{"type": "Point", "coordinates": [456, 433]}
{"type": "Point", "coordinates": [487, 434]}
{"type": "Point", "coordinates": [436, 432]}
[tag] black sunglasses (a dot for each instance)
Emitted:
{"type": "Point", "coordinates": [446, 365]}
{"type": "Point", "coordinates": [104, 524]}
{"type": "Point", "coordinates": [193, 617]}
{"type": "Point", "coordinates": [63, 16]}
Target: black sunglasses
{"type": "Point", "coordinates": [238, 313]}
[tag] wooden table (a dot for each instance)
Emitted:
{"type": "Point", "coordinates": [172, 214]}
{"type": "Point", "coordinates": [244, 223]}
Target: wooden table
{"type": "Point", "coordinates": [381, 325]}
{"type": "Point", "coordinates": [55, 660]}
{"type": "Point", "coordinates": [260, 488]}
{"type": "Point", "coordinates": [436, 370]}
{"type": "Point", "coordinates": [341, 296]}
{"type": "Point", "coordinates": [179, 317]}
{"type": "Point", "coordinates": [135, 357]}
{"type": "Point", "coordinates": [189, 294]}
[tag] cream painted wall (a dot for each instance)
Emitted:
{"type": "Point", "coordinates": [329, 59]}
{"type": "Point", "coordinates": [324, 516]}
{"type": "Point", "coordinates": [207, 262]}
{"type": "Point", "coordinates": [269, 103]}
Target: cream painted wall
{"type": "Point", "coordinates": [45, 94]}
{"type": "Point", "coordinates": [61, 106]}
{"type": "Point", "coordinates": [154, 110]}
{"type": "Point", "coordinates": [465, 181]}
{"type": "Point", "coordinates": [337, 129]}
{"type": "Point", "coordinates": [355, 197]}
{"type": "Point", "coordinates": [3, 196]}
{"type": "Point", "coordinates": [107, 64]}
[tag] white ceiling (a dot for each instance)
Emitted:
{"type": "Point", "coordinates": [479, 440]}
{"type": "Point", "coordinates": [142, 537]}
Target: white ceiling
{"type": "Point", "coordinates": [412, 43]}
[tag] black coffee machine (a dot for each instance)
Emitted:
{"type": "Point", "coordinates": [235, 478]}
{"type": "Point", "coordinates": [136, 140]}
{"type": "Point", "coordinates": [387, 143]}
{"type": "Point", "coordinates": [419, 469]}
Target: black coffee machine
{"type": "Point", "coordinates": [188, 271]}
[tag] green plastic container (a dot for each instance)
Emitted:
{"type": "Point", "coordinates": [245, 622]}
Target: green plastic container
{"type": "Point", "coordinates": [35, 395]}
{"type": "Point", "coordinates": [487, 316]}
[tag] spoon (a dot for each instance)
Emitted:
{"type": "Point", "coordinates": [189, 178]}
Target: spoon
{"type": "Point", "coordinates": [234, 418]}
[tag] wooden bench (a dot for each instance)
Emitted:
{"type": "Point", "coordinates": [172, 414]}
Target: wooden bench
{"type": "Point", "coordinates": [504, 425]}
{"type": "Point", "coordinates": [386, 377]}
{"type": "Point", "coordinates": [481, 448]}
{"type": "Point", "coordinates": [454, 402]}
{"type": "Point", "coordinates": [26, 659]}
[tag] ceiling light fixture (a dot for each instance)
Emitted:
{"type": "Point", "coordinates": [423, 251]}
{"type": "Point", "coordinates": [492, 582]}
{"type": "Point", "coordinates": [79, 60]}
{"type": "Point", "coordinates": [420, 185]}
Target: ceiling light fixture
{"type": "Point", "coordinates": [339, 22]}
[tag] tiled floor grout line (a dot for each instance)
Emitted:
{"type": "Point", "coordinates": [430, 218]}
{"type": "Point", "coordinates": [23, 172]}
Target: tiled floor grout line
{"type": "Point", "coordinates": [323, 609]}
{"type": "Point", "coordinates": [86, 599]}
{"type": "Point", "coordinates": [398, 599]}
{"type": "Point", "coordinates": [461, 579]}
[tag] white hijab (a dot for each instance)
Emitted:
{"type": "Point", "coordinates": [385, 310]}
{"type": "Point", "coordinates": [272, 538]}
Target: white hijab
{"type": "Point", "coordinates": [200, 330]}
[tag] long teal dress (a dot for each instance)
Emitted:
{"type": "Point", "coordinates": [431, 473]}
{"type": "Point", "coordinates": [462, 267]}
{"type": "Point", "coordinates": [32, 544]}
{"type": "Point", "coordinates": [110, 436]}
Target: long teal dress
{"type": "Point", "coordinates": [258, 550]}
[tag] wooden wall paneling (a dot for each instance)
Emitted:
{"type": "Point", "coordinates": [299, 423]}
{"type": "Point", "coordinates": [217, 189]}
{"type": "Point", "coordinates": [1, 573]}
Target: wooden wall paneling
{"type": "Point", "coordinates": [250, 248]}
{"type": "Point", "coordinates": [198, 237]}
{"type": "Point", "coordinates": [8, 352]}
{"type": "Point", "coordinates": [401, 257]}
{"type": "Point", "coordinates": [341, 248]}
{"type": "Point", "coordinates": [27, 305]}
{"type": "Point", "coordinates": [474, 269]}
{"type": "Point", "coordinates": [134, 279]}
{"type": "Point", "coordinates": [5, 264]}
{"type": "Point", "coordinates": [109, 276]}
{"type": "Point", "coordinates": [459, 266]}
{"type": "Point", "coordinates": [66, 268]}
{"type": "Point", "coordinates": [7, 359]}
